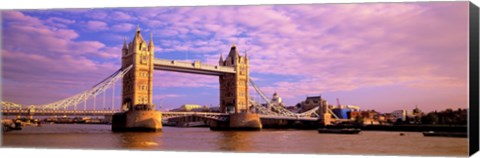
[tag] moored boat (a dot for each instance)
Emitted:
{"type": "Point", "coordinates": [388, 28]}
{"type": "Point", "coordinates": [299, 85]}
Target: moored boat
{"type": "Point", "coordinates": [339, 130]}
{"type": "Point", "coordinates": [8, 125]}
{"type": "Point", "coordinates": [445, 134]}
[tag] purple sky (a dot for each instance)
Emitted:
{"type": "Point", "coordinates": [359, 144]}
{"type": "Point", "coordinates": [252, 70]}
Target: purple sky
{"type": "Point", "coordinates": [383, 56]}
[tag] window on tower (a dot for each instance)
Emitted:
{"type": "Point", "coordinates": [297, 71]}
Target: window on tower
{"type": "Point", "coordinates": [143, 59]}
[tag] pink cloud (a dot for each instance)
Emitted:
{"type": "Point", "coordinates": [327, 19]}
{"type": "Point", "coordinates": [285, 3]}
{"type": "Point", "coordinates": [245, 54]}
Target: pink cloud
{"type": "Point", "coordinates": [154, 23]}
{"type": "Point", "coordinates": [166, 79]}
{"type": "Point", "coordinates": [60, 20]}
{"type": "Point", "coordinates": [53, 63]}
{"type": "Point", "coordinates": [123, 27]}
{"type": "Point", "coordinates": [110, 52]}
{"type": "Point", "coordinates": [97, 14]}
{"type": "Point", "coordinates": [420, 46]}
{"type": "Point", "coordinates": [121, 16]}
{"type": "Point", "coordinates": [332, 48]}
{"type": "Point", "coordinates": [19, 18]}
{"type": "Point", "coordinates": [65, 75]}
{"type": "Point", "coordinates": [96, 25]}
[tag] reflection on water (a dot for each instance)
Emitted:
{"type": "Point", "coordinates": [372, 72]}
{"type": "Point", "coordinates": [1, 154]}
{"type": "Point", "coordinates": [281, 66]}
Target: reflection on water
{"type": "Point", "coordinates": [235, 140]}
{"type": "Point", "coordinates": [132, 140]}
{"type": "Point", "coordinates": [202, 139]}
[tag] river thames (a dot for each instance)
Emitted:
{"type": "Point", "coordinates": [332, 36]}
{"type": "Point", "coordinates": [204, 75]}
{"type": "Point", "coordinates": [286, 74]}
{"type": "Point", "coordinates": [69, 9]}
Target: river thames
{"type": "Point", "coordinates": [264, 141]}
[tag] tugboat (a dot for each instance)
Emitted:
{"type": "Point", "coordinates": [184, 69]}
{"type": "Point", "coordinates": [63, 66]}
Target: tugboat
{"type": "Point", "coordinates": [445, 134]}
{"type": "Point", "coordinates": [340, 130]}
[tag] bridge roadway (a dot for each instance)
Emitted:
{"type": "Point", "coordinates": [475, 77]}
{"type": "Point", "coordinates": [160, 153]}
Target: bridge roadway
{"type": "Point", "coordinates": [165, 115]}
{"type": "Point", "coordinates": [196, 67]}
{"type": "Point", "coordinates": [36, 112]}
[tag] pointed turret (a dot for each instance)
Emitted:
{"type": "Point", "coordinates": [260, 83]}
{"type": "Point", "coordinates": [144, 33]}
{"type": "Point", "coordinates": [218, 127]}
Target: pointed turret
{"type": "Point", "coordinates": [233, 55]}
{"type": "Point", "coordinates": [138, 36]}
{"type": "Point", "coordinates": [233, 51]}
{"type": "Point", "coordinates": [124, 48]}
{"type": "Point", "coordinates": [137, 31]}
{"type": "Point", "coordinates": [124, 43]}
{"type": "Point", "coordinates": [220, 62]}
{"type": "Point", "coordinates": [150, 44]}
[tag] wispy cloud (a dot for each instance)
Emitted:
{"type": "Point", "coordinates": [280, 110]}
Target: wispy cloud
{"type": "Point", "coordinates": [123, 27]}
{"type": "Point", "coordinates": [47, 60]}
{"type": "Point", "coordinates": [174, 79]}
{"type": "Point", "coordinates": [96, 25]}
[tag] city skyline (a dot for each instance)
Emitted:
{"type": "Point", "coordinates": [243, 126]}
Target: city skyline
{"type": "Point", "coordinates": [384, 56]}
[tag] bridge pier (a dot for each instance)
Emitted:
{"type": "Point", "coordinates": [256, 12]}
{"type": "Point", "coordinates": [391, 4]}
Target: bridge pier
{"type": "Point", "coordinates": [238, 121]}
{"type": "Point", "coordinates": [247, 121]}
{"type": "Point", "coordinates": [144, 119]}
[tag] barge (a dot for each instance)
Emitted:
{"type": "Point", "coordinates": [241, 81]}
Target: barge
{"type": "Point", "coordinates": [339, 130]}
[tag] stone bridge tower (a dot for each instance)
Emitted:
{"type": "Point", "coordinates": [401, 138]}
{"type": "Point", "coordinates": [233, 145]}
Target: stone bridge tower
{"type": "Point", "coordinates": [138, 82]}
{"type": "Point", "coordinates": [234, 87]}
{"type": "Point", "coordinates": [138, 112]}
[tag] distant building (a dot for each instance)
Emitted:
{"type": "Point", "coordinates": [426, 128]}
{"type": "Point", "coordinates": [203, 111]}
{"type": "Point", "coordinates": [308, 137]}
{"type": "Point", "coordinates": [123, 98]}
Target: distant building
{"type": "Point", "coordinates": [400, 114]}
{"type": "Point", "coordinates": [403, 114]}
{"type": "Point", "coordinates": [276, 99]}
{"type": "Point", "coordinates": [388, 118]}
{"type": "Point", "coordinates": [292, 108]}
{"type": "Point", "coordinates": [341, 111]}
{"type": "Point", "coordinates": [351, 107]}
{"type": "Point", "coordinates": [310, 103]}
{"type": "Point", "coordinates": [366, 117]}
{"type": "Point", "coordinates": [415, 117]}
{"type": "Point", "coordinates": [190, 107]}
{"type": "Point", "coordinates": [313, 102]}
{"type": "Point", "coordinates": [417, 111]}
{"type": "Point", "coordinates": [381, 118]}
{"type": "Point", "coordinates": [214, 109]}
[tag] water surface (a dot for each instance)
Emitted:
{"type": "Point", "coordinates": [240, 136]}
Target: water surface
{"type": "Point", "coordinates": [202, 139]}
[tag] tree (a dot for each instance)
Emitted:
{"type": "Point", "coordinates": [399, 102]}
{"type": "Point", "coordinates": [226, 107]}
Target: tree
{"type": "Point", "coordinates": [399, 121]}
{"type": "Point", "coordinates": [358, 120]}
{"type": "Point", "coordinates": [430, 118]}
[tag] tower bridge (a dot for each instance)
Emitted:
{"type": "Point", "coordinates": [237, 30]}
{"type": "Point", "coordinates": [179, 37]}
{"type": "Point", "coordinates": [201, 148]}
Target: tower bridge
{"type": "Point", "coordinates": [137, 86]}
{"type": "Point", "coordinates": [171, 118]}
{"type": "Point", "coordinates": [137, 111]}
